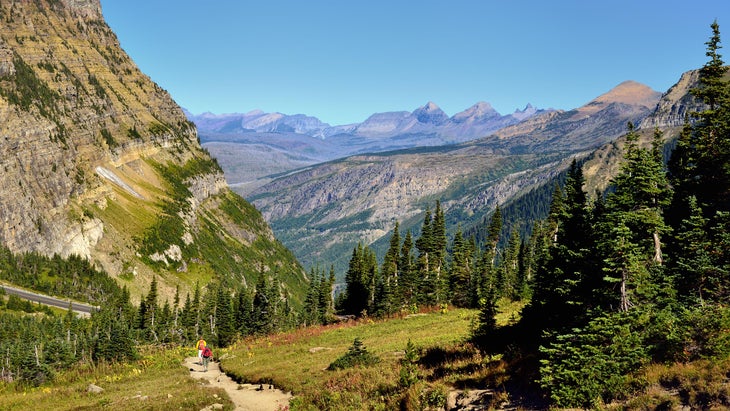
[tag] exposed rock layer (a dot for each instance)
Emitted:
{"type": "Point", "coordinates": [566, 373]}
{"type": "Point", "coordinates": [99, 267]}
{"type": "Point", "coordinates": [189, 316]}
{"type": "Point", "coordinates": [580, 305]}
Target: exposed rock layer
{"type": "Point", "coordinates": [84, 139]}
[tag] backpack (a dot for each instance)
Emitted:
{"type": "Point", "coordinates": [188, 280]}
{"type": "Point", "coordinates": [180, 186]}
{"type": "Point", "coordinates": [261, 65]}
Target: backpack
{"type": "Point", "coordinates": [207, 353]}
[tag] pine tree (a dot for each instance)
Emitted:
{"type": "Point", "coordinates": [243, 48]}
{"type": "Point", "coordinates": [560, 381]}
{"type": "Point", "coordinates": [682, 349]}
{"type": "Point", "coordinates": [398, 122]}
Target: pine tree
{"type": "Point", "coordinates": [426, 281]}
{"type": "Point", "coordinates": [487, 322]}
{"type": "Point", "coordinates": [634, 223]}
{"type": "Point", "coordinates": [439, 242]}
{"type": "Point", "coordinates": [243, 311]}
{"type": "Point", "coordinates": [460, 271]}
{"type": "Point", "coordinates": [407, 283]}
{"type": "Point", "coordinates": [225, 330]}
{"type": "Point", "coordinates": [693, 268]}
{"type": "Point", "coordinates": [176, 305]}
{"type": "Point", "coordinates": [263, 311]}
{"type": "Point", "coordinates": [494, 235]}
{"type": "Point", "coordinates": [700, 172]}
{"type": "Point", "coordinates": [509, 266]}
{"type": "Point", "coordinates": [148, 312]}
{"type": "Point", "coordinates": [326, 304]}
{"type": "Point", "coordinates": [389, 272]}
{"type": "Point", "coordinates": [311, 301]}
{"type": "Point", "coordinates": [553, 307]}
{"type": "Point", "coordinates": [360, 281]}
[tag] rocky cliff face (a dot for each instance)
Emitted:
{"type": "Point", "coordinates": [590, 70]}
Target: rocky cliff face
{"type": "Point", "coordinates": [91, 148]}
{"type": "Point", "coordinates": [676, 104]}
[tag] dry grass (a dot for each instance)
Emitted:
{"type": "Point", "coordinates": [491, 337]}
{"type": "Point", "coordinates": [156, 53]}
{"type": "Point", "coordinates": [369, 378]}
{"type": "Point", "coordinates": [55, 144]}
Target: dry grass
{"type": "Point", "coordinates": [297, 361]}
{"type": "Point", "coordinates": [158, 381]}
{"type": "Point", "coordinates": [699, 385]}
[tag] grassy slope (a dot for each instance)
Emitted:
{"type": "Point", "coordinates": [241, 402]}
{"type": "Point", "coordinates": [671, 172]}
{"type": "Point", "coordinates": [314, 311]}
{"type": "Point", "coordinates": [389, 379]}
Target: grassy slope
{"type": "Point", "coordinates": [297, 361]}
{"type": "Point", "coordinates": [157, 381]}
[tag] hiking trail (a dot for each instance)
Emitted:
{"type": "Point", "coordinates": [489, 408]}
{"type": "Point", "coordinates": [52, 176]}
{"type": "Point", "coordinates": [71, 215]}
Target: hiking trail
{"type": "Point", "coordinates": [246, 397]}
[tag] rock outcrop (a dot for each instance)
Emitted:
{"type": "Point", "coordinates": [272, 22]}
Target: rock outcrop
{"type": "Point", "coordinates": [95, 155]}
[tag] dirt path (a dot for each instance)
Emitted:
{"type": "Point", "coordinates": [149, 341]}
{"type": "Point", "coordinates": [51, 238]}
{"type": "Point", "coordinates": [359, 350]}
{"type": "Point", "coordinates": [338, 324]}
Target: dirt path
{"type": "Point", "coordinates": [246, 397]}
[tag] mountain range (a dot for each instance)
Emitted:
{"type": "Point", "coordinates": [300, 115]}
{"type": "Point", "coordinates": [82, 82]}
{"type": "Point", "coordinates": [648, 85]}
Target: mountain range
{"type": "Point", "coordinates": [477, 121]}
{"type": "Point", "coordinates": [256, 145]}
{"type": "Point", "coordinates": [321, 212]}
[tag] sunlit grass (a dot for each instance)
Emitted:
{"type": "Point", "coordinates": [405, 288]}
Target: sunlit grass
{"type": "Point", "coordinates": [158, 381]}
{"type": "Point", "coordinates": [700, 384]}
{"type": "Point", "coordinates": [298, 361]}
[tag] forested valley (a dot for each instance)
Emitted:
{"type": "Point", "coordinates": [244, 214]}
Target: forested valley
{"type": "Point", "coordinates": [610, 282]}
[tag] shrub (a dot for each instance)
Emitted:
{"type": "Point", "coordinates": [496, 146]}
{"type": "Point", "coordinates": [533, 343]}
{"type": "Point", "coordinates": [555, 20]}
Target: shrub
{"type": "Point", "coordinates": [593, 364]}
{"type": "Point", "coordinates": [409, 367]}
{"type": "Point", "coordinates": [357, 354]}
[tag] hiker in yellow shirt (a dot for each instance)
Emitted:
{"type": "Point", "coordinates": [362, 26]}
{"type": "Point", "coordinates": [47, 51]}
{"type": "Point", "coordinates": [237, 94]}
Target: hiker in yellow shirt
{"type": "Point", "coordinates": [200, 345]}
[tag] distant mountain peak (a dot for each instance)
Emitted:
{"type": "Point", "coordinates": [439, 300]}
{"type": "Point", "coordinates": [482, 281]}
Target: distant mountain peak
{"type": "Point", "coordinates": [255, 112]}
{"type": "Point", "coordinates": [526, 112]}
{"type": "Point", "coordinates": [480, 110]}
{"type": "Point", "coordinates": [630, 92]}
{"type": "Point", "coordinates": [431, 106]}
{"type": "Point", "coordinates": [430, 114]}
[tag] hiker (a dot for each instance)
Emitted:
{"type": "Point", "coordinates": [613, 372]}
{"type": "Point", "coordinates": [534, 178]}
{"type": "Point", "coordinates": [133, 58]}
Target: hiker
{"type": "Point", "coordinates": [207, 353]}
{"type": "Point", "coordinates": [200, 346]}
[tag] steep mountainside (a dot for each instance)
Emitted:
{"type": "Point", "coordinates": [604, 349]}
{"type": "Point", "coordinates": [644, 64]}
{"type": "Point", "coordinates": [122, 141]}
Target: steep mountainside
{"type": "Point", "coordinates": [322, 212]}
{"type": "Point", "coordinates": [670, 113]}
{"type": "Point", "coordinates": [99, 161]}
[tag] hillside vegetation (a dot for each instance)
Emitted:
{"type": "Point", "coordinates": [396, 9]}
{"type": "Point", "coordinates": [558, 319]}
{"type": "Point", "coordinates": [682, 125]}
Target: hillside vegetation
{"type": "Point", "coordinates": [299, 361]}
{"type": "Point", "coordinates": [99, 162]}
{"type": "Point", "coordinates": [616, 300]}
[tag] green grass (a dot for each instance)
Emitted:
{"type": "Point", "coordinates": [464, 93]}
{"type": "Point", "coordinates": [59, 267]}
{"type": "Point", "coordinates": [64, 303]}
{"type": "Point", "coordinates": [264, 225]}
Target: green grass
{"type": "Point", "coordinates": [158, 381]}
{"type": "Point", "coordinates": [297, 361]}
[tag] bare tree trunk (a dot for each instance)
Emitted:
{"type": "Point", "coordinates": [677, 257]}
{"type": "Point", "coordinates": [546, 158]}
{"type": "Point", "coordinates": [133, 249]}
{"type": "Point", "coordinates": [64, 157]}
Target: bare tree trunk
{"type": "Point", "coordinates": [657, 249]}
{"type": "Point", "coordinates": [625, 303]}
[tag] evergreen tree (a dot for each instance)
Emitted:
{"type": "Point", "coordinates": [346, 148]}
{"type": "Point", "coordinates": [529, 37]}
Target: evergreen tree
{"type": "Point", "coordinates": [431, 260]}
{"type": "Point", "coordinates": [634, 224]}
{"type": "Point", "coordinates": [460, 271]}
{"type": "Point", "coordinates": [310, 314]}
{"type": "Point", "coordinates": [148, 312]}
{"type": "Point", "coordinates": [509, 267]}
{"type": "Point", "coordinates": [426, 281]}
{"type": "Point", "coordinates": [326, 304]}
{"type": "Point", "coordinates": [208, 311]}
{"type": "Point", "coordinates": [694, 265]}
{"type": "Point", "coordinates": [243, 312]}
{"type": "Point", "coordinates": [522, 283]}
{"type": "Point", "coordinates": [360, 281]}
{"type": "Point", "coordinates": [262, 315]}
{"type": "Point", "coordinates": [225, 330]}
{"type": "Point", "coordinates": [494, 235]}
{"type": "Point", "coordinates": [487, 322]}
{"type": "Point", "coordinates": [559, 298]}
{"type": "Point", "coordinates": [407, 283]}
{"type": "Point", "coordinates": [700, 174]}
{"type": "Point", "coordinates": [438, 248]}
{"type": "Point", "coordinates": [389, 271]}
{"type": "Point", "coordinates": [176, 305]}
{"type": "Point", "coordinates": [485, 279]}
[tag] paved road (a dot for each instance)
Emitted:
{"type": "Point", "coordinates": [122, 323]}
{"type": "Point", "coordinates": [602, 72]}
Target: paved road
{"type": "Point", "coordinates": [83, 309]}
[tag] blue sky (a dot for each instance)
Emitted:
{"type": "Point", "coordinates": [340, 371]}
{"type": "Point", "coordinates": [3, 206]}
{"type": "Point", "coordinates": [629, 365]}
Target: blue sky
{"type": "Point", "coordinates": [343, 60]}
